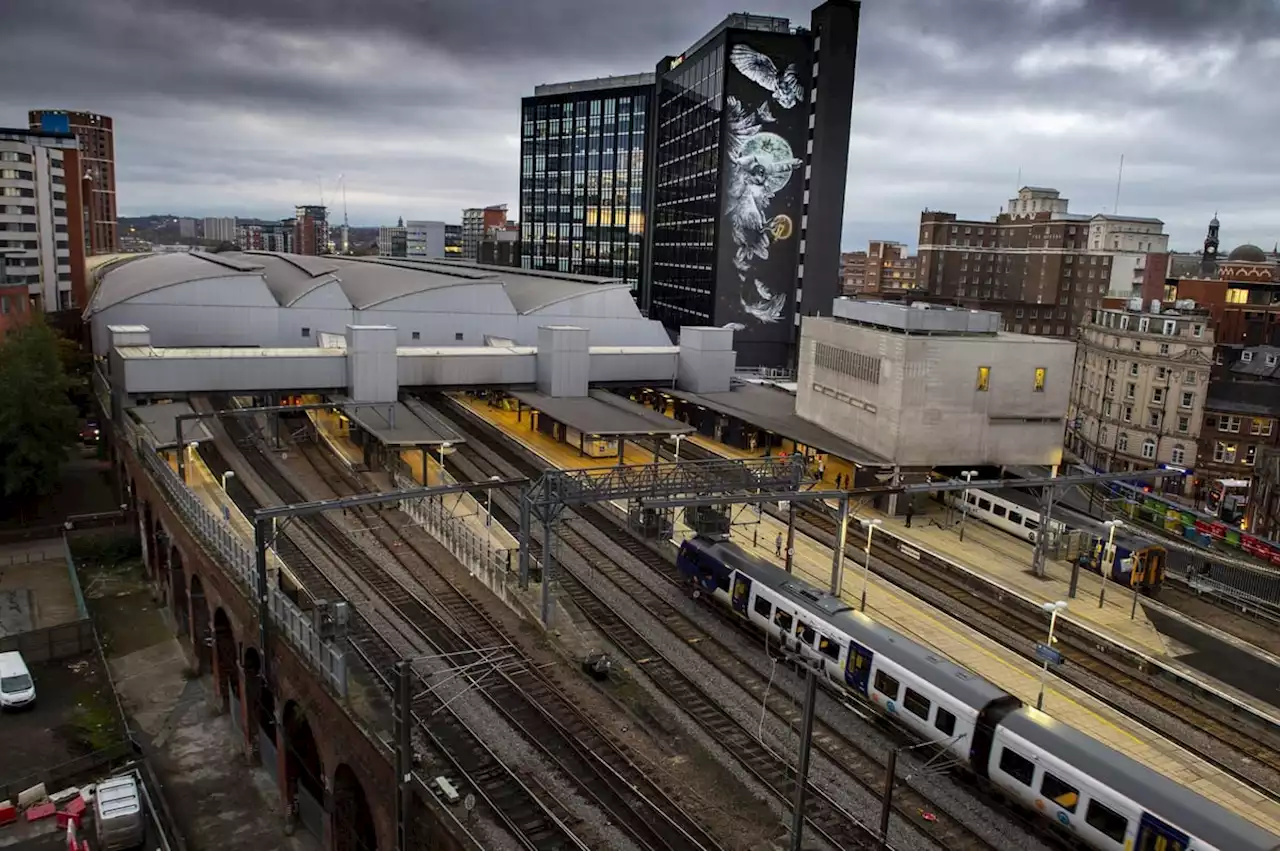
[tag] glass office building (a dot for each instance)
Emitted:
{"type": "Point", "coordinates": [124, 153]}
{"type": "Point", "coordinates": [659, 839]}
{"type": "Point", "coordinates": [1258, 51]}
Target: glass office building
{"type": "Point", "coordinates": [582, 177]}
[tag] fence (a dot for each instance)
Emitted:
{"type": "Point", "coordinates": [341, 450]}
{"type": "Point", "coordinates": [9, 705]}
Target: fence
{"type": "Point", "coordinates": [477, 554]}
{"type": "Point", "coordinates": [240, 562]}
{"type": "Point", "coordinates": [52, 643]}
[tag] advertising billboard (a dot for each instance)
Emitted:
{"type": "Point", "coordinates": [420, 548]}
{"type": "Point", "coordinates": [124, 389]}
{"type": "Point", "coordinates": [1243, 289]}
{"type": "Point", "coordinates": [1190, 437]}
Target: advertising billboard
{"type": "Point", "coordinates": [55, 123]}
{"type": "Point", "coordinates": [766, 127]}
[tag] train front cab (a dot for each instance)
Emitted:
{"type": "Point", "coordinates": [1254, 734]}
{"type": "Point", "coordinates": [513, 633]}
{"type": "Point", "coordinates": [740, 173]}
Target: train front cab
{"type": "Point", "coordinates": [1140, 567]}
{"type": "Point", "coordinates": [705, 572]}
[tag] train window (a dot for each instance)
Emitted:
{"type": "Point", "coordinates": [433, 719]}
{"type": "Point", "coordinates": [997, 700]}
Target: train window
{"type": "Point", "coordinates": [916, 704]}
{"type": "Point", "coordinates": [1060, 792]}
{"type": "Point", "coordinates": [1106, 821]}
{"type": "Point", "coordinates": [945, 722]}
{"type": "Point", "coordinates": [1015, 517]}
{"type": "Point", "coordinates": [887, 685]}
{"type": "Point", "coordinates": [828, 648]}
{"type": "Point", "coordinates": [984, 504]}
{"type": "Point", "coordinates": [763, 607]}
{"type": "Point", "coordinates": [998, 510]}
{"type": "Point", "coordinates": [805, 632]}
{"type": "Point", "coordinates": [782, 619]}
{"type": "Point", "coordinates": [1031, 524]}
{"type": "Point", "coordinates": [1017, 766]}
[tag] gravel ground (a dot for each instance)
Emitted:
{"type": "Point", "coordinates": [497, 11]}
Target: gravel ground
{"type": "Point", "coordinates": [997, 826]}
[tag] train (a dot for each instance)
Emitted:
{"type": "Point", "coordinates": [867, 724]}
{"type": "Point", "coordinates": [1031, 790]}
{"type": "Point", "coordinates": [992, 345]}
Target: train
{"type": "Point", "coordinates": [1137, 563]}
{"type": "Point", "coordinates": [1096, 796]}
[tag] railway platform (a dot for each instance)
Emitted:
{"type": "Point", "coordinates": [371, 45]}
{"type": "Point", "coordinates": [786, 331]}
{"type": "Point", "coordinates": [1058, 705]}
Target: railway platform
{"type": "Point", "coordinates": [964, 645]}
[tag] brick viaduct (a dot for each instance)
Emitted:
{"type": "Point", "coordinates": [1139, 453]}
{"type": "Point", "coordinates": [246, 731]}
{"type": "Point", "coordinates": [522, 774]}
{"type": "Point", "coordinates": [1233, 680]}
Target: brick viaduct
{"type": "Point", "coordinates": [333, 779]}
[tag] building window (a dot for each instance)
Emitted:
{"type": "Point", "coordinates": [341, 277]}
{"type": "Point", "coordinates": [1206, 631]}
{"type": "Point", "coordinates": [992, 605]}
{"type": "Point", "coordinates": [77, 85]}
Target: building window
{"type": "Point", "coordinates": [1164, 348]}
{"type": "Point", "coordinates": [1144, 324]}
{"type": "Point", "coordinates": [1130, 390]}
{"type": "Point", "coordinates": [1122, 442]}
{"type": "Point", "coordinates": [1148, 448]}
{"type": "Point", "coordinates": [1161, 373]}
{"type": "Point", "coordinates": [1137, 345]}
{"type": "Point", "coordinates": [1229, 424]}
{"type": "Point", "coordinates": [984, 378]}
{"type": "Point", "coordinates": [1179, 453]}
{"type": "Point", "coordinates": [1039, 385]}
{"type": "Point", "coordinates": [1170, 327]}
{"type": "Point", "coordinates": [1189, 377]}
{"type": "Point", "coordinates": [1197, 330]}
{"type": "Point", "coordinates": [1224, 453]}
{"type": "Point", "coordinates": [417, 335]}
{"type": "Point", "coordinates": [1262, 427]}
{"type": "Point", "coordinates": [1133, 369]}
{"type": "Point", "coordinates": [1250, 454]}
{"type": "Point", "coordinates": [457, 336]}
{"type": "Point", "coordinates": [1157, 396]}
{"type": "Point", "coordinates": [1018, 313]}
{"type": "Point", "coordinates": [1271, 360]}
{"type": "Point", "coordinates": [1246, 357]}
{"type": "Point", "coordinates": [1128, 413]}
{"type": "Point", "coordinates": [1184, 424]}
{"type": "Point", "coordinates": [1153, 419]}
{"type": "Point", "coordinates": [1188, 399]}
{"type": "Point", "coordinates": [306, 332]}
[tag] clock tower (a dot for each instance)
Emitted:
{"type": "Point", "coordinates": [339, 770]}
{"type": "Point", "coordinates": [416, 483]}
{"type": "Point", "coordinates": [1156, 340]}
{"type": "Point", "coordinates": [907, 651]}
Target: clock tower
{"type": "Point", "coordinates": [1209, 257]}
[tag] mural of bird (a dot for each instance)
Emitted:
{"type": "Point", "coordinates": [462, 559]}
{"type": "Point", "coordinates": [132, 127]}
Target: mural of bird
{"type": "Point", "coordinates": [760, 69]}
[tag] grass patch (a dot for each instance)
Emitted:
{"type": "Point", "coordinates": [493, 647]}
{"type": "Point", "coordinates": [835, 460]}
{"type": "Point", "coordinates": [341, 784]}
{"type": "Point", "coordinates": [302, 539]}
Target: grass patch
{"type": "Point", "coordinates": [95, 723]}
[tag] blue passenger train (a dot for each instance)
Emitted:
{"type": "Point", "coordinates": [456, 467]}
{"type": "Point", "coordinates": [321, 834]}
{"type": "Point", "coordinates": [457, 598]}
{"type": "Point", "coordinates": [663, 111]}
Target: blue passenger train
{"type": "Point", "coordinates": [1098, 796]}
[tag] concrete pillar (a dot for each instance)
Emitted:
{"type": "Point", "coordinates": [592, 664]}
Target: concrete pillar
{"type": "Point", "coordinates": [371, 363]}
{"type": "Point", "coordinates": [707, 359]}
{"type": "Point", "coordinates": [563, 360]}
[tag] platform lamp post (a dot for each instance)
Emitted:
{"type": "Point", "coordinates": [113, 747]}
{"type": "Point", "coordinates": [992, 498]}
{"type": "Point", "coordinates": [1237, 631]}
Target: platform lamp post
{"type": "Point", "coordinates": [678, 438]}
{"type": "Point", "coordinates": [1053, 609]}
{"type": "Point", "coordinates": [229, 474]}
{"type": "Point", "coordinates": [1108, 558]}
{"type": "Point", "coordinates": [191, 447]}
{"type": "Point", "coordinates": [488, 502]}
{"type": "Point", "coordinates": [967, 475]}
{"type": "Point", "coordinates": [444, 444]}
{"type": "Point", "coordinates": [870, 523]}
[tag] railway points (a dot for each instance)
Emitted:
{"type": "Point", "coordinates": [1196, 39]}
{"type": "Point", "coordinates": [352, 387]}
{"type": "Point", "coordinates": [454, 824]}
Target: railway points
{"type": "Point", "coordinates": [972, 649]}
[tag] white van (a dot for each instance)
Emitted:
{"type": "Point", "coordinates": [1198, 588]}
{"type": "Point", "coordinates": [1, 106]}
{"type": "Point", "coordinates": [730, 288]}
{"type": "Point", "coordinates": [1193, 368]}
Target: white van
{"type": "Point", "coordinates": [17, 689]}
{"type": "Point", "coordinates": [118, 813]}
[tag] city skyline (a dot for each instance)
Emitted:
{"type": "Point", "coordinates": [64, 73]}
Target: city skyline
{"type": "Point", "coordinates": [951, 104]}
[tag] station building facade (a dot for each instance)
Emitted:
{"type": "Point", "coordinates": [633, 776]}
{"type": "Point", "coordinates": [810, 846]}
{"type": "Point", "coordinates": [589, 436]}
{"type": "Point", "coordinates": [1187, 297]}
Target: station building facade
{"type": "Point", "coordinates": [925, 386]}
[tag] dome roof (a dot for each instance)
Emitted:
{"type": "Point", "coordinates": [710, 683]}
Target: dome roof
{"type": "Point", "coordinates": [1248, 254]}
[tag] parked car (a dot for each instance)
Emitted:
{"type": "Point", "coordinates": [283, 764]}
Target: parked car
{"type": "Point", "coordinates": [17, 689]}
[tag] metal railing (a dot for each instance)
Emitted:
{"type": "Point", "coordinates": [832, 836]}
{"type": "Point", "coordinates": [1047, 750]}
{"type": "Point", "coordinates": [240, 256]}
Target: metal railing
{"type": "Point", "coordinates": [240, 562]}
{"type": "Point", "coordinates": [476, 553]}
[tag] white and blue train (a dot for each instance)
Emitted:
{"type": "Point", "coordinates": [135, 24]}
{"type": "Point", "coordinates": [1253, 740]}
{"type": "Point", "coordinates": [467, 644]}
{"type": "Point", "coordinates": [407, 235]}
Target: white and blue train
{"type": "Point", "coordinates": [1099, 797]}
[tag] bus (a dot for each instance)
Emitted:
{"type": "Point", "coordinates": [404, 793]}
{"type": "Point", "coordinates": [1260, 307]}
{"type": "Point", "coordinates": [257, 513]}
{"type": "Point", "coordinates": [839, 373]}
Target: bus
{"type": "Point", "coordinates": [1227, 499]}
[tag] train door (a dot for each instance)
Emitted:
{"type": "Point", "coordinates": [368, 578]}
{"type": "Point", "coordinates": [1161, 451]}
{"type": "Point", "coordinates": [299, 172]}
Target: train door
{"type": "Point", "coordinates": [857, 670]}
{"type": "Point", "coordinates": [1155, 835]}
{"type": "Point", "coordinates": [741, 593]}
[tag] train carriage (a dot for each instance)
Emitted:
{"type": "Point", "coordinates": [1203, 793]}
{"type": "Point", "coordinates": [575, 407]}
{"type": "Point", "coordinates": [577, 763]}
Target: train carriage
{"type": "Point", "coordinates": [1106, 800]}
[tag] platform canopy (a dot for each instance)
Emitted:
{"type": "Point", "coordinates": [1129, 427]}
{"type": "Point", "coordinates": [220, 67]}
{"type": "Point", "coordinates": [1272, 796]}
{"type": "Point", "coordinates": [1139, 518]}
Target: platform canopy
{"type": "Point", "coordinates": [775, 411]}
{"type": "Point", "coordinates": [400, 424]}
{"type": "Point", "coordinates": [160, 420]}
{"type": "Point", "coordinates": [602, 414]}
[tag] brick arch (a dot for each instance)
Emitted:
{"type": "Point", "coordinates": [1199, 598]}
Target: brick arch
{"type": "Point", "coordinates": [353, 824]}
{"type": "Point", "coordinates": [304, 774]}
{"type": "Point", "coordinates": [225, 655]}
{"type": "Point", "coordinates": [178, 590]}
{"type": "Point", "coordinates": [201, 630]}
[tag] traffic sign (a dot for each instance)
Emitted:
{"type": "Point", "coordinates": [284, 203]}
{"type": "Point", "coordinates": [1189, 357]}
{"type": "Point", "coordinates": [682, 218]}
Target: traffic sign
{"type": "Point", "coordinates": [1045, 653]}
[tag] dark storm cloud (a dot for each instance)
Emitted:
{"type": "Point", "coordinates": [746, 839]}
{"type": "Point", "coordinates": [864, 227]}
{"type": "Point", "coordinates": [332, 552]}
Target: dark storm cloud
{"type": "Point", "coordinates": [245, 106]}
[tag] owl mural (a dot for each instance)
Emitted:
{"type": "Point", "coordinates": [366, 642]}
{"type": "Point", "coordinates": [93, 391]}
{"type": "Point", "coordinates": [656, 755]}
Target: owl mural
{"type": "Point", "coordinates": [760, 164]}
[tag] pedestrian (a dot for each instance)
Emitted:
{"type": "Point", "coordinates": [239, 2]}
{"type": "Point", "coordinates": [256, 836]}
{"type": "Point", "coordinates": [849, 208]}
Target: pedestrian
{"type": "Point", "coordinates": [822, 470]}
{"type": "Point", "coordinates": [911, 509]}
{"type": "Point", "coordinates": [777, 545]}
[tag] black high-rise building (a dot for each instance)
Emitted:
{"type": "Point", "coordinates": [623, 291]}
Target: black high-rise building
{"type": "Point", "coordinates": [582, 177]}
{"type": "Point", "coordinates": [749, 150]}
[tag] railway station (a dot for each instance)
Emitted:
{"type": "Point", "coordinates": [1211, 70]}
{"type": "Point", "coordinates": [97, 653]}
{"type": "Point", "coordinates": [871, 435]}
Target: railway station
{"type": "Point", "coordinates": [453, 432]}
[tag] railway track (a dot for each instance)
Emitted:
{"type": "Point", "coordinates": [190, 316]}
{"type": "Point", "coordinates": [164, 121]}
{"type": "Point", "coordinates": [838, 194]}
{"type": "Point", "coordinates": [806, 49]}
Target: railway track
{"type": "Point", "coordinates": [531, 821]}
{"type": "Point", "coordinates": [946, 831]}
{"type": "Point", "coordinates": [1252, 754]}
{"type": "Point", "coordinates": [456, 625]}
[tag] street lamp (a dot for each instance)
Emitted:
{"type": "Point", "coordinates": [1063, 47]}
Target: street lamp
{"type": "Point", "coordinates": [1108, 558]}
{"type": "Point", "coordinates": [488, 503]}
{"type": "Point", "coordinates": [229, 474]}
{"type": "Point", "coordinates": [1052, 609]}
{"type": "Point", "coordinates": [871, 524]}
{"type": "Point", "coordinates": [967, 475]}
{"type": "Point", "coordinates": [444, 444]}
{"type": "Point", "coordinates": [678, 437]}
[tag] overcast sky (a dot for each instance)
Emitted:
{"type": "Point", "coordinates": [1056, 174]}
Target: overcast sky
{"type": "Point", "coordinates": [243, 107]}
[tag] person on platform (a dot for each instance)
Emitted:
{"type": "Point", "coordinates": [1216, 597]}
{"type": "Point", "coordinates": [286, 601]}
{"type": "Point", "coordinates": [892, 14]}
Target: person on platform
{"type": "Point", "coordinates": [911, 509]}
{"type": "Point", "coordinates": [777, 545]}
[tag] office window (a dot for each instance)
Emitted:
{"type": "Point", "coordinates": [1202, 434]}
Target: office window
{"type": "Point", "coordinates": [1164, 348]}
{"type": "Point", "coordinates": [1106, 821]}
{"type": "Point", "coordinates": [306, 332]}
{"type": "Point", "coordinates": [945, 722]}
{"type": "Point", "coordinates": [763, 607]}
{"type": "Point", "coordinates": [1157, 396]}
{"type": "Point", "coordinates": [984, 378]}
{"type": "Point", "coordinates": [1148, 448]}
{"type": "Point", "coordinates": [1060, 792]}
{"type": "Point", "coordinates": [1188, 399]}
{"type": "Point", "coordinates": [1122, 442]}
{"type": "Point", "coordinates": [887, 685]}
{"type": "Point", "coordinates": [1017, 766]}
{"type": "Point", "coordinates": [1128, 413]}
{"type": "Point", "coordinates": [1179, 453]}
{"type": "Point", "coordinates": [1161, 373]}
{"type": "Point", "coordinates": [1130, 390]}
{"type": "Point", "coordinates": [1184, 424]}
{"type": "Point", "coordinates": [1039, 383]}
{"type": "Point", "coordinates": [1153, 419]}
{"type": "Point", "coordinates": [916, 704]}
{"type": "Point", "coordinates": [1189, 377]}
{"type": "Point", "coordinates": [1133, 369]}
